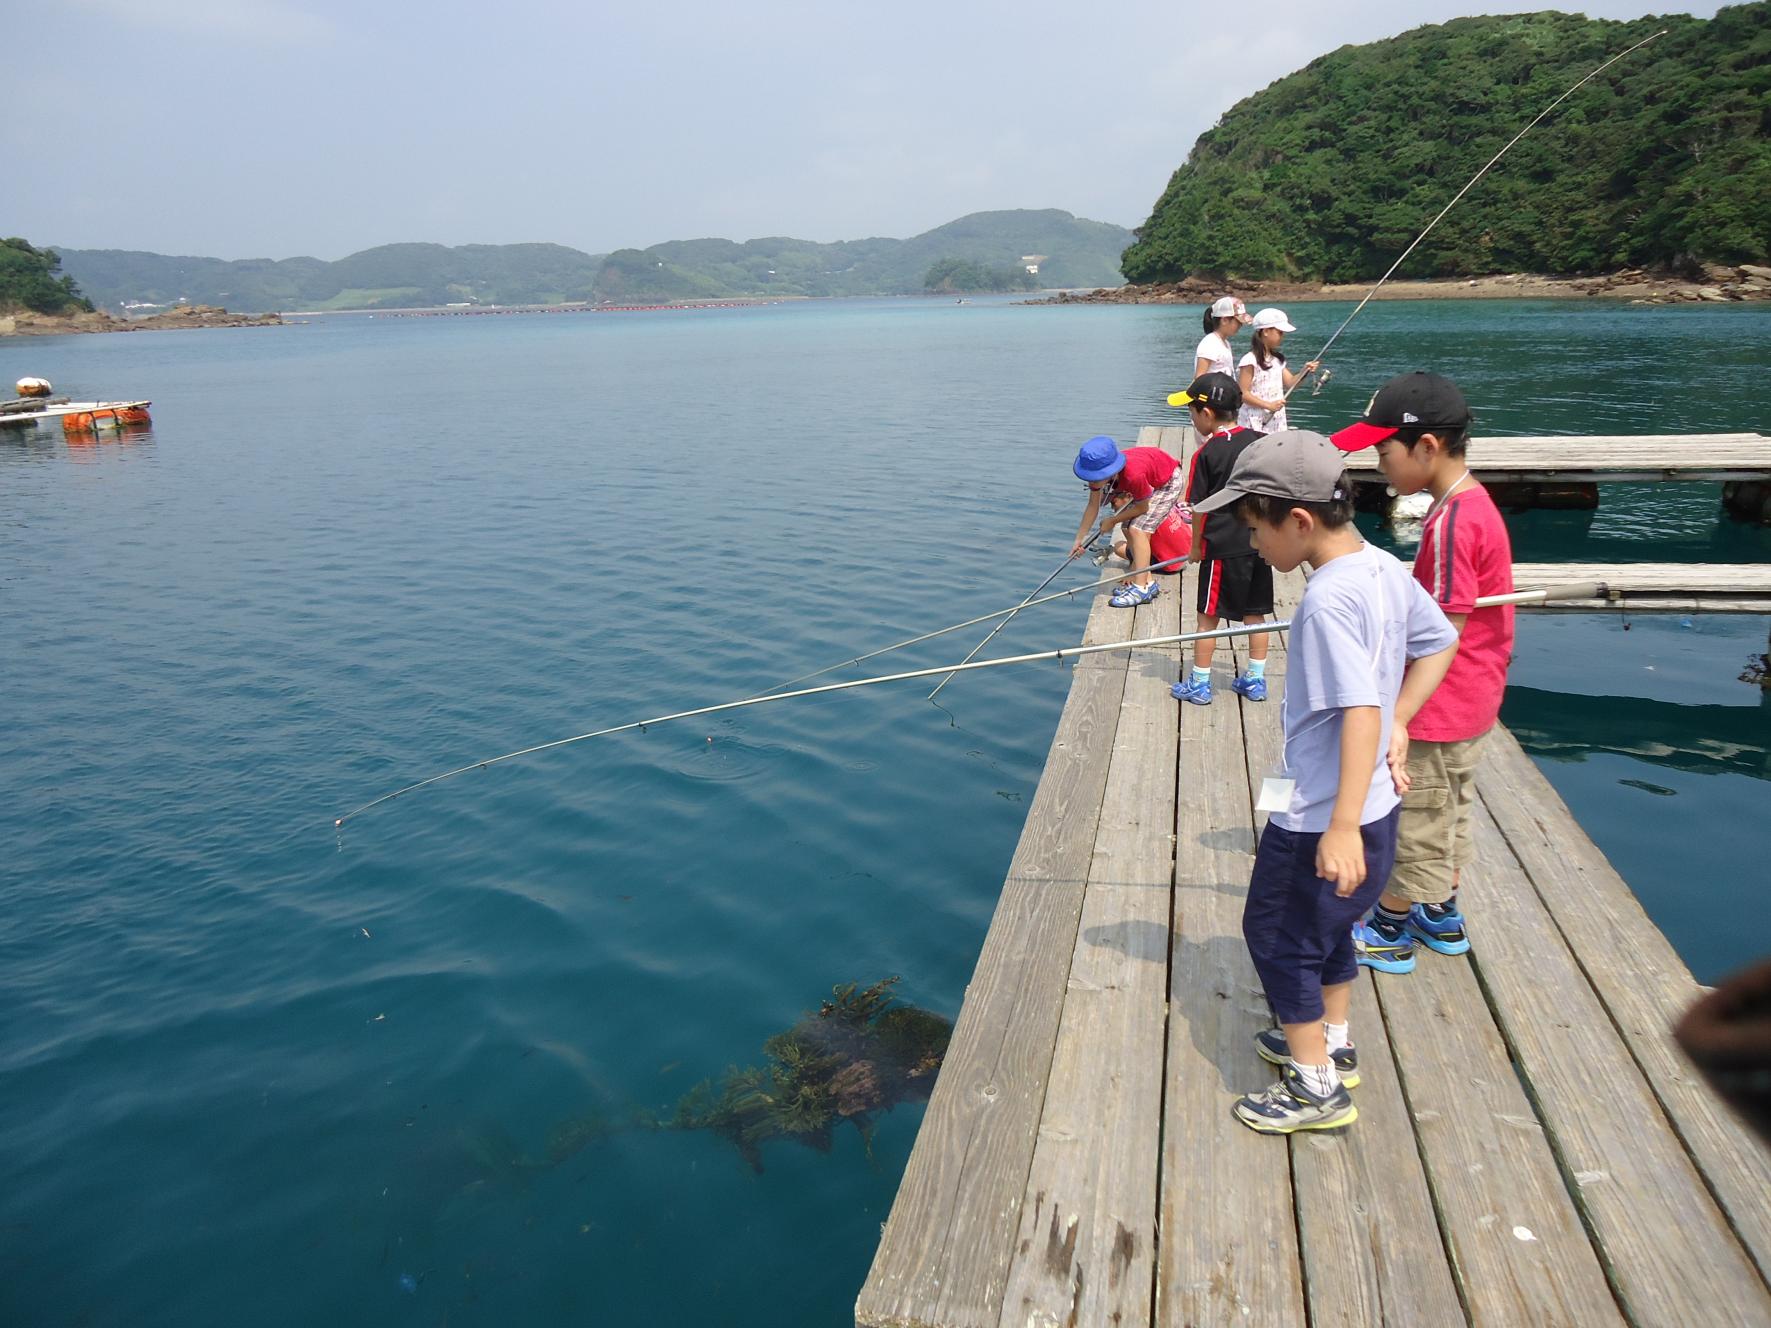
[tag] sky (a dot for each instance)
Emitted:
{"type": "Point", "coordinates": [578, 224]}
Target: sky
{"type": "Point", "coordinates": [273, 128]}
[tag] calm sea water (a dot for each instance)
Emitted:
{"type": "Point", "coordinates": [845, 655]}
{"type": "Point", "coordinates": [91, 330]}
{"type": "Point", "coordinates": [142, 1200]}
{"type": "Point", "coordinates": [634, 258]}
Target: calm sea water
{"type": "Point", "coordinates": [252, 1070]}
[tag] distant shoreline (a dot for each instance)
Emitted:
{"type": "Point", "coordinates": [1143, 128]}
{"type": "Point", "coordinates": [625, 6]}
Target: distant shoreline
{"type": "Point", "coordinates": [27, 324]}
{"type": "Point", "coordinates": [1719, 285]}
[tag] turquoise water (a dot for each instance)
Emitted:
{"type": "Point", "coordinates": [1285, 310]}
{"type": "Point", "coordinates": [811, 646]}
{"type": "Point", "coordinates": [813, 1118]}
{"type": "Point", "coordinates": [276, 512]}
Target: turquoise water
{"type": "Point", "coordinates": [253, 1070]}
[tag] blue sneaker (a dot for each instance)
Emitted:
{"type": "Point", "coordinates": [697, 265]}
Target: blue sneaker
{"type": "Point", "coordinates": [1199, 693]}
{"type": "Point", "coordinates": [1254, 689]}
{"type": "Point", "coordinates": [1377, 951]}
{"type": "Point", "coordinates": [1442, 932]}
{"type": "Point", "coordinates": [1130, 595]}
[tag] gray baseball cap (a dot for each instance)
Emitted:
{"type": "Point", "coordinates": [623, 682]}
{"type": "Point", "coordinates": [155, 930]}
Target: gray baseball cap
{"type": "Point", "coordinates": [1293, 463]}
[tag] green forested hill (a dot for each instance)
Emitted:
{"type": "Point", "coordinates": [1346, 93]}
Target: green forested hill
{"type": "Point", "coordinates": [1076, 253]}
{"type": "Point", "coordinates": [388, 276]}
{"type": "Point", "coordinates": [30, 279]}
{"type": "Point", "coordinates": [1330, 172]}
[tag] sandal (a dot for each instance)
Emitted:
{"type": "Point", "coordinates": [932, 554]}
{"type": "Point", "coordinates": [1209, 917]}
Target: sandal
{"type": "Point", "coordinates": [1130, 595]}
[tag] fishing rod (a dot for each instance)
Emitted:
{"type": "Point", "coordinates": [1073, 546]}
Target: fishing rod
{"type": "Point", "coordinates": [1583, 590]}
{"type": "Point", "coordinates": [1162, 565]}
{"type": "Point", "coordinates": [1031, 596]}
{"type": "Point", "coordinates": [1542, 115]}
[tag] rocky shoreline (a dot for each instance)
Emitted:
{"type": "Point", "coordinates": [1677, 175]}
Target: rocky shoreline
{"type": "Point", "coordinates": [28, 324]}
{"type": "Point", "coordinates": [1717, 284]}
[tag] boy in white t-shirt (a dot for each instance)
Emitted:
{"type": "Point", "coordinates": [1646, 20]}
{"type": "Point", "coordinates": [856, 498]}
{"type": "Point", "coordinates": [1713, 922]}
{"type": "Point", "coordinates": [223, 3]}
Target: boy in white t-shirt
{"type": "Point", "coordinates": [1365, 641]}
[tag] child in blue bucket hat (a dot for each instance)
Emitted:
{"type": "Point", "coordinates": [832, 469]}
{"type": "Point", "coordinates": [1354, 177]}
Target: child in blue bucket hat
{"type": "Point", "coordinates": [1144, 486]}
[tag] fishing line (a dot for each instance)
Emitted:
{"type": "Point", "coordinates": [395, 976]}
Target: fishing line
{"type": "Point", "coordinates": [1586, 590]}
{"type": "Point", "coordinates": [1031, 596]}
{"type": "Point", "coordinates": [969, 622]}
{"type": "Point", "coordinates": [1542, 115]}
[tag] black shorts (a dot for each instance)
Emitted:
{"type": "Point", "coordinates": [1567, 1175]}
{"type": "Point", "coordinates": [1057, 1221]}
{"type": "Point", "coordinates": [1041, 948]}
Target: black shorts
{"type": "Point", "coordinates": [1235, 588]}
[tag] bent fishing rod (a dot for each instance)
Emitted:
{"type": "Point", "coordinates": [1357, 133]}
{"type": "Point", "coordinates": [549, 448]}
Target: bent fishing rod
{"type": "Point", "coordinates": [1541, 117]}
{"type": "Point", "coordinates": [1580, 590]}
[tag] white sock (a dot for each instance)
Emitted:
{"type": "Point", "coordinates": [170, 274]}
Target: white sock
{"type": "Point", "coordinates": [1337, 1037]}
{"type": "Point", "coordinates": [1322, 1080]}
{"type": "Point", "coordinates": [1201, 675]}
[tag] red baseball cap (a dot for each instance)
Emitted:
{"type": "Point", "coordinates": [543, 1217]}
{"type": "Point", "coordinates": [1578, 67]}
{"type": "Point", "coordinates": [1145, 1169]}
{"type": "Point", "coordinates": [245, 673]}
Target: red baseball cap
{"type": "Point", "coordinates": [1409, 401]}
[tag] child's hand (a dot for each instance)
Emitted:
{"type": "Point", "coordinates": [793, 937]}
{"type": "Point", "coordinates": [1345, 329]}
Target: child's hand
{"type": "Point", "coordinates": [1398, 759]}
{"type": "Point", "coordinates": [1077, 548]}
{"type": "Point", "coordinates": [1340, 858]}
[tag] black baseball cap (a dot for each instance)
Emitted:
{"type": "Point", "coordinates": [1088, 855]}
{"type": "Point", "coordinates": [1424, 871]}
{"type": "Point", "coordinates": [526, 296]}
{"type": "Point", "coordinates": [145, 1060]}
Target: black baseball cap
{"type": "Point", "coordinates": [1215, 391]}
{"type": "Point", "coordinates": [1415, 400]}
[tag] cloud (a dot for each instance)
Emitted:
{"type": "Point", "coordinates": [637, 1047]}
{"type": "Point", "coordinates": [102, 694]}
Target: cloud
{"type": "Point", "coordinates": [262, 22]}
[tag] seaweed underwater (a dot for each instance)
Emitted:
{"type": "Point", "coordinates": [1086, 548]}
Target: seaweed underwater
{"type": "Point", "coordinates": [859, 1054]}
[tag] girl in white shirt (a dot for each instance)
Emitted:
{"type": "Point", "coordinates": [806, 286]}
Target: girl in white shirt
{"type": "Point", "coordinates": [1222, 321]}
{"type": "Point", "coordinates": [1263, 376]}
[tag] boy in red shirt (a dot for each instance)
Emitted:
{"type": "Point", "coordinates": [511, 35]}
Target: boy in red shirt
{"type": "Point", "coordinates": [1144, 485]}
{"type": "Point", "coordinates": [1420, 425]}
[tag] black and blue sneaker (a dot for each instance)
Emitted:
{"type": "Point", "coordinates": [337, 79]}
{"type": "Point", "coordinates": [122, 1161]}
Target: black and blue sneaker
{"type": "Point", "coordinates": [1272, 1047]}
{"type": "Point", "coordinates": [1290, 1105]}
{"type": "Point", "coordinates": [1439, 927]}
{"type": "Point", "coordinates": [1377, 949]}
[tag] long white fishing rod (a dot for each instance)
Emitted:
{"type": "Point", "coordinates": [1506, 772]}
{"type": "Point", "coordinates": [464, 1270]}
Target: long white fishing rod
{"type": "Point", "coordinates": [1031, 596]}
{"type": "Point", "coordinates": [1582, 590]}
{"type": "Point", "coordinates": [1541, 117]}
{"type": "Point", "coordinates": [1066, 652]}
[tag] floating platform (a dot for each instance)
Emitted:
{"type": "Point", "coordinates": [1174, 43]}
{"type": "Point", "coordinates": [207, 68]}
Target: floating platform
{"type": "Point", "coordinates": [1606, 459]}
{"type": "Point", "coordinates": [1531, 1148]}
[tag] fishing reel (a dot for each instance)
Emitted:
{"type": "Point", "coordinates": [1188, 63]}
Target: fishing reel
{"type": "Point", "coordinates": [1321, 382]}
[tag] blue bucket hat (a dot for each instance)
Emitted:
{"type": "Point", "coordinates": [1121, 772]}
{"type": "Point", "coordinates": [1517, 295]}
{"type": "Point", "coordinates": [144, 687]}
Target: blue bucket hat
{"type": "Point", "coordinates": [1100, 457]}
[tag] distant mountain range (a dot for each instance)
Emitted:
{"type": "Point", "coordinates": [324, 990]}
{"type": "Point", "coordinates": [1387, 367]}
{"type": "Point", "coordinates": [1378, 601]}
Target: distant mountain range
{"type": "Point", "coordinates": [1070, 251]}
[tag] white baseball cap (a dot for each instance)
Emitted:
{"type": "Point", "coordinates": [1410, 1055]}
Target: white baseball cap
{"type": "Point", "coordinates": [1228, 306]}
{"type": "Point", "coordinates": [1273, 318]}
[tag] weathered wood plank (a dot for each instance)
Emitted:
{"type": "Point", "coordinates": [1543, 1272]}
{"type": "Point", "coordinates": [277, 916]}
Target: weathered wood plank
{"type": "Point", "coordinates": [1666, 1246]}
{"type": "Point", "coordinates": [1086, 1250]}
{"type": "Point", "coordinates": [944, 1253]}
{"type": "Point", "coordinates": [1654, 587]}
{"type": "Point", "coordinates": [1518, 1248]}
{"type": "Point", "coordinates": [1643, 983]}
{"type": "Point", "coordinates": [1229, 1251]}
{"type": "Point", "coordinates": [1607, 458]}
{"type": "Point", "coordinates": [1372, 1252]}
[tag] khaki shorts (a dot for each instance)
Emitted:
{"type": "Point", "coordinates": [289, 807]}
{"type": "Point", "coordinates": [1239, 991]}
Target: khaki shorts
{"type": "Point", "coordinates": [1162, 502]}
{"type": "Point", "coordinates": [1433, 839]}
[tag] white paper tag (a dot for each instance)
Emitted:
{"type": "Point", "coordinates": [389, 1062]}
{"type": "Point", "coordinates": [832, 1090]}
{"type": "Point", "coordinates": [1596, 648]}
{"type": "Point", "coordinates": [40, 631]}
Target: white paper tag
{"type": "Point", "coordinates": [1275, 794]}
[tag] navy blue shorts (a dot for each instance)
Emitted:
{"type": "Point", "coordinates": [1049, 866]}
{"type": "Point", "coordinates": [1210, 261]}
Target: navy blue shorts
{"type": "Point", "coordinates": [1299, 932]}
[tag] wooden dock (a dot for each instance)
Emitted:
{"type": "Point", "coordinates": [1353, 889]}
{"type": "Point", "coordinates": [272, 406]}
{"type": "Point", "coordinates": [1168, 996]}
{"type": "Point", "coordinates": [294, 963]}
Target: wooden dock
{"type": "Point", "coordinates": [1607, 459]}
{"type": "Point", "coordinates": [1531, 1148]}
{"type": "Point", "coordinates": [1655, 587]}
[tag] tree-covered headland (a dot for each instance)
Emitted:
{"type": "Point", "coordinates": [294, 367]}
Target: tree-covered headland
{"type": "Point", "coordinates": [30, 279]}
{"type": "Point", "coordinates": [1328, 174]}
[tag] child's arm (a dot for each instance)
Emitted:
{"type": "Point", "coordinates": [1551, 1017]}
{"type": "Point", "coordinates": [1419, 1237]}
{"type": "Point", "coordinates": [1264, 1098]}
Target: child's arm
{"type": "Point", "coordinates": [1246, 378]}
{"type": "Point", "coordinates": [1293, 379]}
{"type": "Point", "coordinates": [1340, 853]}
{"type": "Point", "coordinates": [1419, 679]}
{"type": "Point", "coordinates": [1088, 520]}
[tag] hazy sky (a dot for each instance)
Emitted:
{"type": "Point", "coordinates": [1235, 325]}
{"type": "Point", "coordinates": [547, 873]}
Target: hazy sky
{"type": "Point", "coordinates": [270, 128]}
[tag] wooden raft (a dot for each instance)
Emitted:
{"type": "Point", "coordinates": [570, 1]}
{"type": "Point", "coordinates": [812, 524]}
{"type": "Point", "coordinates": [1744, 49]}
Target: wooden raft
{"type": "Point", "coordinates": [1606, 459]}
{"type": "Point", "coordinates": [1531, 1148]}
{"type": "Point", "coordinates": [1656, 587]}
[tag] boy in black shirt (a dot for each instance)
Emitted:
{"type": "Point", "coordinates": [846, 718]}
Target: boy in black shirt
{"type": "Point", "coordinates": [1234, 582]}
